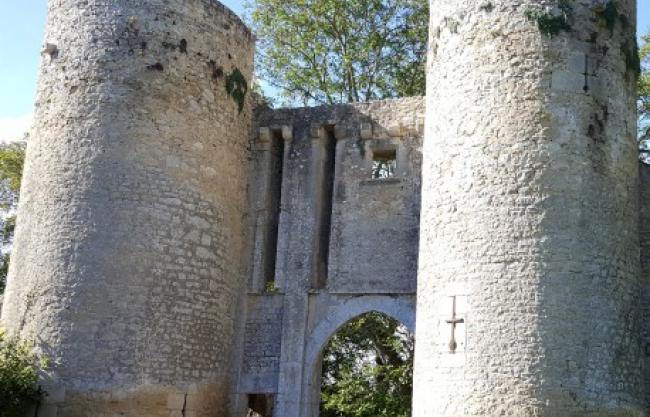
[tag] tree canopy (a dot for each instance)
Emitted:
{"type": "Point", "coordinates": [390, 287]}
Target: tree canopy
{"type": "Point", "coordinates": [644, 79]}
{"type": "Point", "coordinates": [368, 369]}
{"type": "Point", "coordinates": [12, 157]}
{"type": "Point", "coordinates": [339, 51]}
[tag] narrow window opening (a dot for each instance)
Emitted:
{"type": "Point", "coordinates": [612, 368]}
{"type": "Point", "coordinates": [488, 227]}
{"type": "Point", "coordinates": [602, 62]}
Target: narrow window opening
{"type": "Point", "coordinates": [324, 208]}
{"type": "Point", "coordinates": [384, 163]}
{"type": "Point", "coordinates": [260, 405]}
{"type": "Point", "coordinates": [274, 204]}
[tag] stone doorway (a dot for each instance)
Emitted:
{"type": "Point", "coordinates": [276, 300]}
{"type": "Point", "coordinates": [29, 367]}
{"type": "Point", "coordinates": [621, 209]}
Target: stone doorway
{"type": "Point", "coordinates": [364, 369]}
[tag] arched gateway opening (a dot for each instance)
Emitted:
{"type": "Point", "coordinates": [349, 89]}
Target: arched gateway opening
{"type": "Point", "coordinates": [366, 369]}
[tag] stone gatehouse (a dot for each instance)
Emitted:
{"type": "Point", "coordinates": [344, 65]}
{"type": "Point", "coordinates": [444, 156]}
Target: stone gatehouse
{"type": "Point", "coordinates": [182, 251]}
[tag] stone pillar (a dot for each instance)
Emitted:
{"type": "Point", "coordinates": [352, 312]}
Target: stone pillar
{"type": "Point", "coordinates": [529, 212]}
{"type": "Point", "coordinates": [126, 265]}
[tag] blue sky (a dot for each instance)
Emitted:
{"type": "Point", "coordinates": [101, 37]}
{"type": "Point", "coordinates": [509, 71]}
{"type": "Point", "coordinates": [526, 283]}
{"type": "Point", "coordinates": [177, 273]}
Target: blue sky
{"type": "Point", "coordinates": [21, 31]}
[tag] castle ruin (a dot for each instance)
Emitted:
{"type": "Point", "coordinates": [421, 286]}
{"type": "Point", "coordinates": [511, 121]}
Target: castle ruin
{"type": "Point", "coordinates": [184, 252]}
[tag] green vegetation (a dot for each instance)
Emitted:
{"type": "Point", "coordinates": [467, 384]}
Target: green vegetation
{"type": "Point", "coordinates": [19, 372]}
{"type": "Point", "coordinates": [271, 288]}
{"type": "Point", "coordinates": [339, 51]}
{"type": "Point", "coordinates": [368, 369]}
{"type": "Point", "coordinates": [4, 271]}
{"type": "Point", "coordinates": [550, 24]}
{"type": "Point", "coordinates": [644, 79]}
{"type": "Point", "coordinates": [12, 158]}
{"type": "Point", "coordinates": [237, 87]}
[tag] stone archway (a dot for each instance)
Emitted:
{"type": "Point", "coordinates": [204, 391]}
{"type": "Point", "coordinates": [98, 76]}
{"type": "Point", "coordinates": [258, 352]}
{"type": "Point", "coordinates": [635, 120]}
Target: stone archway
{"type": "Point", "coordinates": [398, 308]}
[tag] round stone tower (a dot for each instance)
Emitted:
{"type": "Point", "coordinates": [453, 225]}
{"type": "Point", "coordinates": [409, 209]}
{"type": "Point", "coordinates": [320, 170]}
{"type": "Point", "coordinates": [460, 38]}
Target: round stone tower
{"type": "Point", "coordinates": [126, 264]}
{"type": "Point", "coordinates": [529, 250]}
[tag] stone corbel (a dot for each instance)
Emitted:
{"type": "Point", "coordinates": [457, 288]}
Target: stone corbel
{"type": "Point", "coordinates": [340, 131]}
{"type": "Point", "coordinates": [265, 134]}
{"type": "Point", "coordinates": [395, 130]}
{"type": "Point", "coordinates": [287, 132]}
{"type": "Point", "coordinates": [365, 130]}
{"type": "Point", "coordinates": [316, 131]}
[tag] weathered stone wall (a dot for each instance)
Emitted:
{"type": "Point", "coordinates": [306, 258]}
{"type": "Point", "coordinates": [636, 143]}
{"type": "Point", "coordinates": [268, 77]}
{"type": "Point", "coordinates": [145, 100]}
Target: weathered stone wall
{"type": "Point", "coordinates": [529, 215]}
{"type": "Point", "coordinates": [126, 264]}
{"type": "Point", "coordinates": [372, 241]}
{"type": "Point", "coordinates": [262, 336]}
{"type": "Point", "coordinates": [374, 224]}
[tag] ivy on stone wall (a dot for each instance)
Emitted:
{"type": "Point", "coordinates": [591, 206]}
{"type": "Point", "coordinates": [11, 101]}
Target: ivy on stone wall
{"type": "Point", "coordinates": [237, 87]}
{"type": "Point", "coordinates": [551, 24]}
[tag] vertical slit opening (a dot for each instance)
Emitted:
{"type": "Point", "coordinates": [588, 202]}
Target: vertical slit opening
{"type": "Point", "coordinates": [274, 201]}
{"type": "Point", "coordinates": [324, 208]}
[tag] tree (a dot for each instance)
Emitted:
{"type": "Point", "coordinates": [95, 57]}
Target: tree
{"type": "Point", "coordinates": [643, 102]}
{"type": "Point", "coordinates": [338, 51]}
{"type": "Point", "coordinates": [12, 157]}
{"type": "Point", "coordinates": [644, 80]}
{"type": "Point", "coordinates": [368, 369]}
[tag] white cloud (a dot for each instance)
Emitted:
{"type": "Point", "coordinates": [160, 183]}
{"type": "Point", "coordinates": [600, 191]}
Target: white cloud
{"type": "Point", "coordinates": [14, 128]}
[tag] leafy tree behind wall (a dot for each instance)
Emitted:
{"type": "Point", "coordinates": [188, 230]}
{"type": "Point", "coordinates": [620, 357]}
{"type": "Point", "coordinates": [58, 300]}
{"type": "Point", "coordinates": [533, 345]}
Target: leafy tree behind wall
{"type": "Point", "coordinates": [368, 369]}
{"type": "Point", "coordinates": [12, 157]}
{"type": "Point", "coordinates": [644, 80]}
{"type": "Point", "coordinates": [644, 100]}
{"type": "Point", "coordinates": [339, 51]}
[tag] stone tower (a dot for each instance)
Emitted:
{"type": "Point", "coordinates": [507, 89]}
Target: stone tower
{"type": "Point", "coordinates": [127, 262]}
{"type": "Point", "coordinates": [529, 248]}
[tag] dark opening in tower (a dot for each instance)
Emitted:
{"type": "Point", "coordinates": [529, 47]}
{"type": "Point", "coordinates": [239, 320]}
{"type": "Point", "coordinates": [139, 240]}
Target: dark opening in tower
{"type": "Point", "coordinates": [325, 187]}
{"type": "Point", "coordinates": [260, 405]}
{"type": "Point", "coordinates": [276, 169]}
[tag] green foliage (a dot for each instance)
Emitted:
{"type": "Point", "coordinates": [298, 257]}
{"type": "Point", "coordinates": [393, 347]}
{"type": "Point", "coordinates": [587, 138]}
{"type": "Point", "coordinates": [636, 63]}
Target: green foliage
{"type": "Point", "coordinates": [4, 270]}
{"type": "Point", "coordinates": [271, 288]}
{"type": "Point", "coordinates": [6, 235]}
{"type": "Point", "coordinates": [644, 79]}
{"type": "Point", "coordinates": [550, 24]}
{"type": "Point", "coordinates": [12, 157]}
{"type": "Point", "coordinates": [237, 87]}
{"type": "Point", "coordinates": [368, 369]}
{"type": "Point", "coordinates": [7, 229]}
{"type": "Point", "coordinates": [19, 371]}
{"type": "Point", "coordinates": [338, 51]}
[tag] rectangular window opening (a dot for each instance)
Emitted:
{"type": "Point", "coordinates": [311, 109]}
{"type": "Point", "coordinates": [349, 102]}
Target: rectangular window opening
{"type": "Point", "coordinates": [274, 207]}
{"type": "Point", "coordinates": [384, 163]}
{"type": "Point", "coordinates": [324, 204]}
